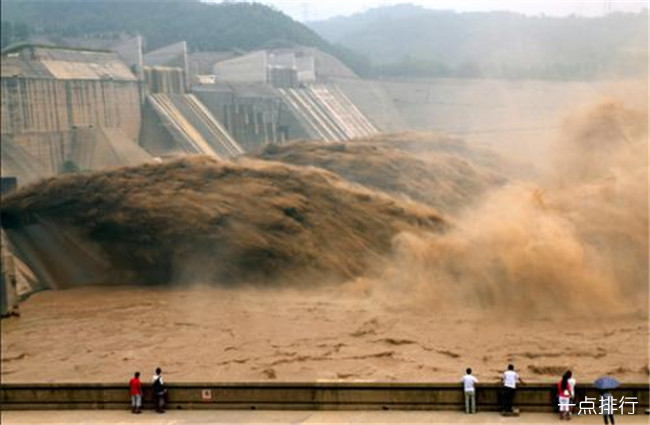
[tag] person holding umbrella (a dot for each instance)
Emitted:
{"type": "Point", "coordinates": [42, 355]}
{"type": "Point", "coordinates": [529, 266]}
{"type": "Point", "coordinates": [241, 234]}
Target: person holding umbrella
{"type": "Point", "coordinates": [605, 384]}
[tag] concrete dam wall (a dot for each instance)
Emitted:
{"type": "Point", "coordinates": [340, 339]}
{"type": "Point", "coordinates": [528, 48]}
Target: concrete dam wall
{"type": "Point", "coordinates": [253, 115]}
{"type": "Point", "coordinates": [326, 113]}
{"type": "Point", "coordinates": [260, 114]}
{"type": "Point", "coordinates": [190, 126]}
{"type": "Point", "coordinates": [56, 254]}
{"type": "Point", "coordinates": [45, 117]}
{"type": "Point", "coordinates": [66, 110]}
{"type": "Point", "coordinates": [59, 106]}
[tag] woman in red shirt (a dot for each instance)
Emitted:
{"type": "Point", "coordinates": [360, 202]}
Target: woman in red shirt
{"type": "Point", "coordinates": [564, 397]}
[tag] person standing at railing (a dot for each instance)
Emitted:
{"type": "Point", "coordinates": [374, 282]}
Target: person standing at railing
{"type": "Point", "coordinates": [159, 391]}
{"type": "Point", "coordinates": [469, 382]}
{"type": "Point", "coordinates": [607, 406]}
{"type": "Point", "coordinates": [564, 396]}
{"type": "Point", "coordinates": [135, 387]}
{"type": "Point", "coordinates": [510, 381]}
{"type": "Point", "coordinates": [572, 392]}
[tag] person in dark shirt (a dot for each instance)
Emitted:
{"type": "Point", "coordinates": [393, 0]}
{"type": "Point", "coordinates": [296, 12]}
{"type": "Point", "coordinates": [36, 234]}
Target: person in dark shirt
{"type": "Point", "coordinates": [607, 406]}
{"type": "Point", "coordinates": [510, 381]}
{"type": "Point", "coordinates": [159, 391]}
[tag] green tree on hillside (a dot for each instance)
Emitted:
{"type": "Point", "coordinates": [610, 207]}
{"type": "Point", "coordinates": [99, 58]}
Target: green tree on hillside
{"type": "Point", "coordinates": [205, 26]}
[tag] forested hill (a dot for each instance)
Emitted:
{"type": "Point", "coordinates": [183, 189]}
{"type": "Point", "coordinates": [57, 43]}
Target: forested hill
{"type": "Point", "coordinates": [204, 26]}
{"type": "Point", "coordinates": [407, 40]}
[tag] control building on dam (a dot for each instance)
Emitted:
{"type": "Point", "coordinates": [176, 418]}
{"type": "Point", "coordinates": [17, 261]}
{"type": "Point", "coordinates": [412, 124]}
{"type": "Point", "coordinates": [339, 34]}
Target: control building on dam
{"type": "Point", "coordinates": [66, 109]}
{"type": "Point", "coordinates": [93, 104]}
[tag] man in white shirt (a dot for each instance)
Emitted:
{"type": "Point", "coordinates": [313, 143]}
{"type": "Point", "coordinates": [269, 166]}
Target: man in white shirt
{"type": "Point", "coordinates": [470, 391]}
{"type": "Point", "coordinates": [159, 391]}
{"type": "Point", "coordinates": [510, 381]}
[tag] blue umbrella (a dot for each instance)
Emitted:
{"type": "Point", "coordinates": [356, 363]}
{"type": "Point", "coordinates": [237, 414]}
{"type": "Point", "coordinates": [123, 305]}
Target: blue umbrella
{"type": "Point", "coordinates": [606, 383]}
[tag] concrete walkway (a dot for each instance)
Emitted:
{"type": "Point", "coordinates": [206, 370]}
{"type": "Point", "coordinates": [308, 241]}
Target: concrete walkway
{"type": "Point", "coordinates": [293, 417]}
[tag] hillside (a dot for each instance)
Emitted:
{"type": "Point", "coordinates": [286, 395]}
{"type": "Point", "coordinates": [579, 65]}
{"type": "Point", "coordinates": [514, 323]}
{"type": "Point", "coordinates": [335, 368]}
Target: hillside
{"type": "Point", "coordinates": [205, 27]}
{"type": "Point", "coordinates": [408, 40]}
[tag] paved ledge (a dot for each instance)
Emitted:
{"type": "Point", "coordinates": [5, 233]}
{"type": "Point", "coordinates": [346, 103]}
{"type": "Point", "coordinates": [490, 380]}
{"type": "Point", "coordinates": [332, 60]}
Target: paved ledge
{"type": "Point", "coordinates": [237, 417]}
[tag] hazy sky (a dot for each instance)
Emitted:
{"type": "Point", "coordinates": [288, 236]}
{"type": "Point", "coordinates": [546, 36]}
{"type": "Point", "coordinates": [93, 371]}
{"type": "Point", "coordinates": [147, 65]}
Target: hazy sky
{"type": "Point", "coordinates": [322, 9]}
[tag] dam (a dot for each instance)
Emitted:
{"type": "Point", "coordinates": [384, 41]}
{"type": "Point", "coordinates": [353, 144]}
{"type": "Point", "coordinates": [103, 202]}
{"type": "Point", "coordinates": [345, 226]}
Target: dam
{"type": "Point", "coordinates": [69, 107]}
{"type": "Point", "coordinates": [100, 105]}
{"type": "Point", "coordinates": [244, 220]}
